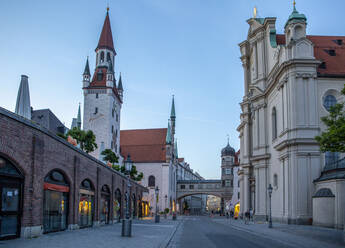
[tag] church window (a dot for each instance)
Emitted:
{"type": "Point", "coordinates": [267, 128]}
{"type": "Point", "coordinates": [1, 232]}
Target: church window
{"type": "Point", "coordinates": [330, 159]}
{"type": "Point", "coordinates": [96, 110]}
{"type": "Point", "coordinates": [108, 57]}
{"type": "Point", "coordinates": [329, 102]}
{"type": "Point", "coordinates": [275, 180]}
{"type": "Point", "coordinates": [152, 181]}
{"type": "Point", "coordinates": [102, 57]}
{"type": "Point", "coordinates": [274, 123]}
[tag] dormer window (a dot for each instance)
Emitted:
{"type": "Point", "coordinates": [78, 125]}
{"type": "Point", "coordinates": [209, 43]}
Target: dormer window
{"type": "Point", "coordinates": [322, 65]}
{"type": "Point", "coordinates": [331, 52]}
{"type": "Point", "coordinates": [99, 75]}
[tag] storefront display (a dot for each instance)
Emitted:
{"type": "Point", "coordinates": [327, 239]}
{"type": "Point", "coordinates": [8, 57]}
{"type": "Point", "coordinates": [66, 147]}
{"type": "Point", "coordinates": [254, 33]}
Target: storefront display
{"type": "Point", "coordinates": [105, 205]}
{"type": "Point", "coordinates": [86, 204]}
{"type": "Point", "coordinates": [55, 207]}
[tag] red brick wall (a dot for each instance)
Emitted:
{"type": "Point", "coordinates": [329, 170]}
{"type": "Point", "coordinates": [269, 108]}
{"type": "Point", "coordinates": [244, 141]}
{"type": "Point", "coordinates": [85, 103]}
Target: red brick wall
{"type": "Point", "coordinates": [35, 152]}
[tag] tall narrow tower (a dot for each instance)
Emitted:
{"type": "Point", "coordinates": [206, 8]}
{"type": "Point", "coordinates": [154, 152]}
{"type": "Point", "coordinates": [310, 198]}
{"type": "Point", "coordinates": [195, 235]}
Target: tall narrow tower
{"type": "Point", "coordinates": [23, 107]}
{"type": "Point", "coordinates": [102, 99]}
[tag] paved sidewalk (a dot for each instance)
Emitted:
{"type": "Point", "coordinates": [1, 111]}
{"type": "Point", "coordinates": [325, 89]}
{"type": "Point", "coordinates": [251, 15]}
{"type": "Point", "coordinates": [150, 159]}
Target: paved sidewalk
{"type": "Point", "coordinates": [295, 235]}
{"type": "Point", "coordinates": [145, 234]}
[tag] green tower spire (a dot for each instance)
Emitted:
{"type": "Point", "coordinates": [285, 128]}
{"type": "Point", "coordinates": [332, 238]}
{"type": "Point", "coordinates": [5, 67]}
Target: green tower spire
{"type": "Point", "coordinates": [172, 113]}
{"type": "Point", "coordinates": [175, 148]}
{"type": "Point", "coordinates": [168, 137]}
{"type": "Point", "coordinates": [295, 16]}
{"type": "Point", "coordinates": [87, 68]}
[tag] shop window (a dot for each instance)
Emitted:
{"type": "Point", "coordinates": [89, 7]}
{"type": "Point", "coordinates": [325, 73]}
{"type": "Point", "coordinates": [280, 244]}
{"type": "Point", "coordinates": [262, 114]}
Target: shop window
{"type": "Point", "coordinates": [117, 205]}
{"type": "Point", "coordinates": [86, 203]}
{"type": "Point", "coordinates": [55, 204]}
{"type": "Point", "coordinates": [105, 204]}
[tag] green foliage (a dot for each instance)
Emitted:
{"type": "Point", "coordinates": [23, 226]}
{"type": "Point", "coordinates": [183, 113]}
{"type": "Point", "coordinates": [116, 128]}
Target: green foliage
{"type": "Point", "coordinates": [166, 210]}
{"type": "Point", "coordinates": [86, 139]}
{"type": "Point", "coordinates": [110, 157]}
{"type": "Point", "coordinates": [333, 138]}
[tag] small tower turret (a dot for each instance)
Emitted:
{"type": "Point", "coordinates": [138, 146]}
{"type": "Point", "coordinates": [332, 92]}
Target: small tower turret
{"type": "Point", "coordinates": [120, 87]}
{"type": "Point", "coordinates": [295, 27]}
{"type": "Point", "coordinates": [86, 74]}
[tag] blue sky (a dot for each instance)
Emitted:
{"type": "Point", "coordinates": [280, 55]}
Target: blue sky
{"type": "Point", "coordinates": [188, 48]}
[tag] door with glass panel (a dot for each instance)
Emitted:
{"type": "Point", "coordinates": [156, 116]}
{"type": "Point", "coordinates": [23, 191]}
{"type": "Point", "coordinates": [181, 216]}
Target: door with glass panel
{"type": "Point", "coordinates": [10, 210]}
{"type": "Point", "coordinates": [11, 199]}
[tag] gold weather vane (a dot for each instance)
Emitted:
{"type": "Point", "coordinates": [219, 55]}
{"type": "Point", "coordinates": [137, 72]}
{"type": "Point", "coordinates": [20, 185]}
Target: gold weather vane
{"type": "Point", "coordinates": [294, 3]}
{"type": "Point", "coordinates": [255, 11]}
{"type": "Point", "coordinates": [107, 6]}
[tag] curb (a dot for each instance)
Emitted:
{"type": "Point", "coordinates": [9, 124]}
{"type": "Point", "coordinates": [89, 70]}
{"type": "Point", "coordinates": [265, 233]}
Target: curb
{"type": "Point", "coordinates": [167, 241]}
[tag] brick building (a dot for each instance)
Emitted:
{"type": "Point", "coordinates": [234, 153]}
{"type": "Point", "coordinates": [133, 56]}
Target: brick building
{"type": "Point", "coordinates": [49, 185]}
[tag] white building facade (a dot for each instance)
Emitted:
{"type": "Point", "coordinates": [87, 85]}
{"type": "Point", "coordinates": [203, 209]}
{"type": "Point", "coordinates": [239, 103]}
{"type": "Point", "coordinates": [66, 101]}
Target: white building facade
{"type": "Point", "coordinates": [102, 96]}
{"type": "Point", "coordinates": [290, 81]}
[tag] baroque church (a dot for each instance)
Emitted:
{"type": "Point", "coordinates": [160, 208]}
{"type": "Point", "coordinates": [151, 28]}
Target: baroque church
{"type": "Point", "coordinates": [290, 81]}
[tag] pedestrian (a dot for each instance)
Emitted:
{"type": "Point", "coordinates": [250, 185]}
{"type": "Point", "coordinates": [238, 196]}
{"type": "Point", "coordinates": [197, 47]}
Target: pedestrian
{"type": "Point", "coordinates": [246, 217]}
{"type": "Point", "coordinates": [251, 213]}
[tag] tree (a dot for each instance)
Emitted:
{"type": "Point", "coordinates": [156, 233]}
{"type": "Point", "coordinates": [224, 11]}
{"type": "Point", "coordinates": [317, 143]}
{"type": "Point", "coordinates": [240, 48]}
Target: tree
{"type": "Point", "coordinates": [111, 157]}
{"type": "Point", "coordinates": [333, 139]}
{"type": "Point", "coordinates": [86, 139]}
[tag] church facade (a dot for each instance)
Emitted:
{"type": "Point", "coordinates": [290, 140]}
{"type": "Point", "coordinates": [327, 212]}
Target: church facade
{"type": "Point", "coordinates": [290, 82]}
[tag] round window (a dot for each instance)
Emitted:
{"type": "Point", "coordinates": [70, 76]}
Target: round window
{"type": "Point", "coordinates": [329, 102]}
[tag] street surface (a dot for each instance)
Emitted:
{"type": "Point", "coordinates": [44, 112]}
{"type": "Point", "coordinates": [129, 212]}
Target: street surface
{"type": "Point", "coordinates": [188, 232]}
{"type": "Point", "coordinates": [198, 232]}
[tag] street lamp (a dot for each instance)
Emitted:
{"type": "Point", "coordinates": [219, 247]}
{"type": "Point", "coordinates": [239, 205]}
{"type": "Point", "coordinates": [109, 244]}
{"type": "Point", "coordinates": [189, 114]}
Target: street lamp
{"type": "Point", "coordinates": [270, 189]}
{"type": "Point", "coordinates": [157, 216]}
{"type": "Point", "coordinates": [127, 223]}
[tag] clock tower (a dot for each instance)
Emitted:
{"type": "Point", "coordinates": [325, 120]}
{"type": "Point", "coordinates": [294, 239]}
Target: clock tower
{"type": "Point", "coordinates": [102, 97]}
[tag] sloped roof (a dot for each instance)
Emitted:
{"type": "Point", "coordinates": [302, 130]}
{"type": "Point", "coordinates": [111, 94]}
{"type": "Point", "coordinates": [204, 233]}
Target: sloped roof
{"type": "Point", "coordinates": [144, 145]}
{"type": "Point", "coordinates": [106, 38]}
{"type": "Point", "coordinates": [334, 65]}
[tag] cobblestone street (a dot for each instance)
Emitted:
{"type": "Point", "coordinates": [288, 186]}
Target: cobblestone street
{"type": "Point", "coordinates": [145, 234]}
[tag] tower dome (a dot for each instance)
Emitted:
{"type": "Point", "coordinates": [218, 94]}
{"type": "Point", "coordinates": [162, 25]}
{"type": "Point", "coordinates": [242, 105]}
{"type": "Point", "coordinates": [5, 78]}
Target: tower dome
{"type": "Point", "coordinates": [228, 151]}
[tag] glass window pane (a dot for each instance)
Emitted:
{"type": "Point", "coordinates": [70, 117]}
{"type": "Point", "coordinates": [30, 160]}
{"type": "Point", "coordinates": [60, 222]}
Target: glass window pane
{"type": "Point", "coordinates": [10, 199]}
{"type": "Point", "coordinates": [8, 225]}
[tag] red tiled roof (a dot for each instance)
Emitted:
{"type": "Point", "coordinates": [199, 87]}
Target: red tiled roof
{"type": "Point", "coordinates": [102, 83]}
{"type": "Point", "coordinates": [334, 65]}
{"type": "Point", "coordinates": [106, 38]}
{"type": "Point", "coordinates": [144, 145]}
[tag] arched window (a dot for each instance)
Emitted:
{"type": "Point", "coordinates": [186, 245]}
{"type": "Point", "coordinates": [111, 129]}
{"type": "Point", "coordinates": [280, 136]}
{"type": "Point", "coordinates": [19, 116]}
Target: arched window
{"type": "Point", "coordinates": [105, 204]}
{"type": "Point", "coordinates": [102, 57]}
{"type": "Point", "coordinates": [86, 203]}
{"type": "Point", "coordinates": [99, 75]}
{"type": "Point", "coordinates": [108, 57]}
{"type": "Point", "coordinates": [274, 123]}
{"type": "Point", "coordinates": [152, 181]}
{"type": "Point", "coordinates": [275, 180]}
{"type": "Point", "coordinates": [329, 102]}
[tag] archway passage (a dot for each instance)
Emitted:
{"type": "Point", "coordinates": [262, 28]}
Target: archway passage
{"type": "Point", "coordinates": [11, 184]}
{"type": "Point", "coordinates": [199, 204]}
{"type": "Point", "coordinates": [55, 206]}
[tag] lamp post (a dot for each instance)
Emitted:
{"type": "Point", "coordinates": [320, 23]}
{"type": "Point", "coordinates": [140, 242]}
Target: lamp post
{"type": "Point", "coordinates": [127, 222]}
{"type": "Point", "coordinates": [270, 189]}
{"type": "Point", "coordinates": [157, 216]}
